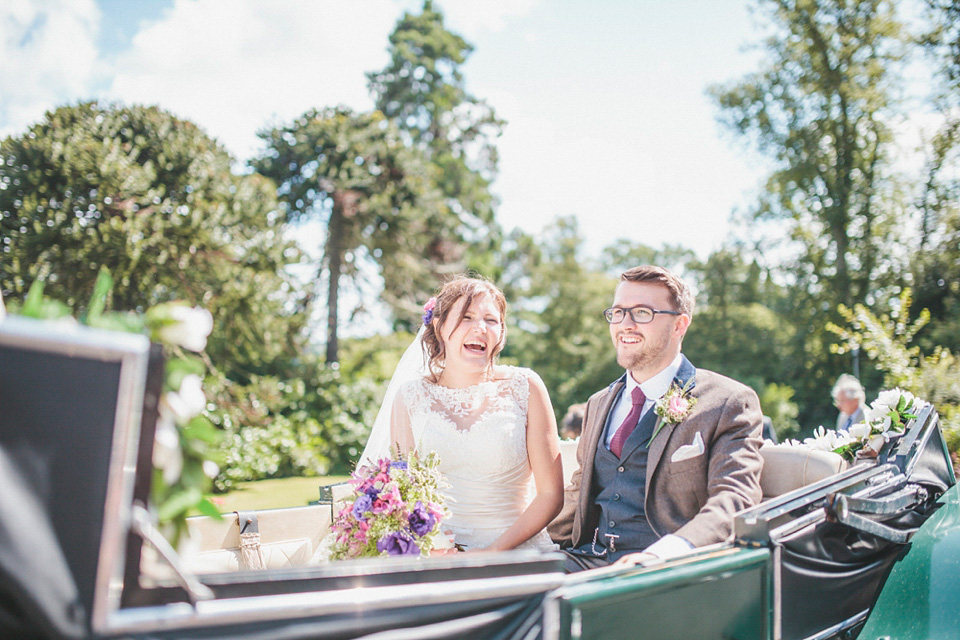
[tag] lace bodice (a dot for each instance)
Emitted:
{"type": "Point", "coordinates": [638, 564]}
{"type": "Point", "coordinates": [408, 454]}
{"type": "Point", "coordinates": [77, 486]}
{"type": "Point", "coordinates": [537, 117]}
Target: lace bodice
{"type": "Point", "coordinates": [476, 430]}
{"type": "Point", "coordinates": [480, 434]}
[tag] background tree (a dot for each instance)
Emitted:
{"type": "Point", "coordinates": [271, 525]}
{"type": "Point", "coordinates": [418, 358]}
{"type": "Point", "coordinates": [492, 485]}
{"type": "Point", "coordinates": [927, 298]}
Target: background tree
{"type": "Point", "coordinates": [560, 332]}
{"type": "Point", "coordinates": [819, 110]}
{"type": "Point", "coordinates": [936, 264]}
{"type": "Point", "coordinates": [372, 193]}
{"type": "Point", "coordinates": [733, 332]}
{"type": "Point", "coordinates": [152, 199]}
{"type": "Point", "coordinates": [422, 89]}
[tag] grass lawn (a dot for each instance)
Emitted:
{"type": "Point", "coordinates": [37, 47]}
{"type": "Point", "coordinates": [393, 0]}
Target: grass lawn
{"type": "Point", "coordinates": [273, 494]}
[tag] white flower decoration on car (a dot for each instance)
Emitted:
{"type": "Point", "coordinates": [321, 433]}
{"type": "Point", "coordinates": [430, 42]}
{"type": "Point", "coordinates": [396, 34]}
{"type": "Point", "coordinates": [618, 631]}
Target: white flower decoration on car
{"type": "Point", "coordinates": [859, 430]}
{"type": "Point", "coordinates": [178, 324]}
{"type": "Point", "coordinates": [167, 455]}
{"type": "Point", "coordinates": [186, 402]}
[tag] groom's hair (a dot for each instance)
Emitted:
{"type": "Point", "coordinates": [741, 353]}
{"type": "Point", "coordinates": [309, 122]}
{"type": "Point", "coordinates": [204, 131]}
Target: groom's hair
{"type": "Point", "coordinates": [680, 294]}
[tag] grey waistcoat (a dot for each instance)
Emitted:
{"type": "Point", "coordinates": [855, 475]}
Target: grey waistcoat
{"type": "Point", "coordinates": [621, 488]}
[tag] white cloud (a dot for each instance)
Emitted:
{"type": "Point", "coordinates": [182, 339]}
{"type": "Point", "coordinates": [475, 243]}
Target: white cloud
{"type": "Point", "coordinates": [48, 56]}
{"type": "Point", "coordinates": [469, 16]}
{"type": "Point", "coordinates": [234, 68]}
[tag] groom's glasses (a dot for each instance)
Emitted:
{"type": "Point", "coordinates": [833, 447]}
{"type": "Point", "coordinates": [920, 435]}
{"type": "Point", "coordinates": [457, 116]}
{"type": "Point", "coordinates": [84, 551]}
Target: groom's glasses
{"type": "Point", "coordinates": [641, 315]}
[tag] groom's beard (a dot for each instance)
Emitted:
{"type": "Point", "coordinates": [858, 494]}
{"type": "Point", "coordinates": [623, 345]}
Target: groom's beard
{"type": "Point", "coordinates": [640, 356]}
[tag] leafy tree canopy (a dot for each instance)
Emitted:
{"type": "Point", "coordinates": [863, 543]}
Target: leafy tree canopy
{"type": "Point", "coordinates": [154, 200]}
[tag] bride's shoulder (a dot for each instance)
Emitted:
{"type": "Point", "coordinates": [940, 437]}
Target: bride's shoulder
{"type": "Point", "coordinates": [521, 375]}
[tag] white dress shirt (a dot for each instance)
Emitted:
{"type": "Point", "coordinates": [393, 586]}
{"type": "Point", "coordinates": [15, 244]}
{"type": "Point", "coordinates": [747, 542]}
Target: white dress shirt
{"type": "Point", "coordinates": [653, 389]}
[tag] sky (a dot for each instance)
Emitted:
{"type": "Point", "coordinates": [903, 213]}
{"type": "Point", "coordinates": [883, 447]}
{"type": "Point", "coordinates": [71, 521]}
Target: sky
{"type": "Point", "coordinates": [607, 114]}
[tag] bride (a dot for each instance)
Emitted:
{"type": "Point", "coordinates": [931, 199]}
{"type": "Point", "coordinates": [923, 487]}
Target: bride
{"type": "Point", "coordinates": [492, 426]}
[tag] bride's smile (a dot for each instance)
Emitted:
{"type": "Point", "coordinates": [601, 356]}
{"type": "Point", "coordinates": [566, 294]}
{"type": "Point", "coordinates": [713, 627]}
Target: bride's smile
{"type": "Point", "coordinates": [470, 337]}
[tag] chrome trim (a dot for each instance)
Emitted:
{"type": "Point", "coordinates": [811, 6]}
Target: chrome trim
{"type": "Point", "coordinates": [143, 527]}
{"type": "Point", "coordinates": [777, 592]}
{"type": "Point", "coordinates": [840, 626]}
{"type": "Point", "coordinates": [318, 603]}
{"type": "Point", "coordinates": [551, 616]}
{"type": "Point", "coordinates": [120, 482]}
{"type": "Point", "coordinates": [70, 339]}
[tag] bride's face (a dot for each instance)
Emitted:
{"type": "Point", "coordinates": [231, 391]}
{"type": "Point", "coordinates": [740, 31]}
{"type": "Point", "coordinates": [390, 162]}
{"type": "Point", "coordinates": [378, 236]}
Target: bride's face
{"type": "Point", "coordinates": [472, 342]}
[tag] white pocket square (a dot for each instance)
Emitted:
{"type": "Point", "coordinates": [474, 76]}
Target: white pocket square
{"type": "Point", "coordinates": [688, 451]}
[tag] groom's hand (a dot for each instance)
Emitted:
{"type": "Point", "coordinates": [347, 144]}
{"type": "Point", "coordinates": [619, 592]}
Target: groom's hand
{"type": "Point", "coordinates": [642, 558]}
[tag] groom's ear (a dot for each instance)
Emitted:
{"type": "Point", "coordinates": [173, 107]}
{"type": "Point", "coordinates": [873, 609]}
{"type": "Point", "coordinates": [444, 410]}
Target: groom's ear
{"type": "Point", "coordinates": [682, 323]}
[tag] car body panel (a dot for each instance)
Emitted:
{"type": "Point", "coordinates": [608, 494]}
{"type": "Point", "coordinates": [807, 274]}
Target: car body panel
{"type": "Point", "coordinates": [726, 593]}
{"type": "Point", "coordinates": [921, 597]}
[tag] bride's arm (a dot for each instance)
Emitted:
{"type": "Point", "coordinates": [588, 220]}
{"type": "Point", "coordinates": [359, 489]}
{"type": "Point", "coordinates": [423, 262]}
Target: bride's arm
{"type": "Point", "coordinates": [543, 451]}
{"type": "Point", "coordinates": [401, 431]}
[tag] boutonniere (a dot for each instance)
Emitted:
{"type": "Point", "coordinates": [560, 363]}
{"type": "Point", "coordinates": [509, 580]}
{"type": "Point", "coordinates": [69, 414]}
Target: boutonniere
{"type": "Point", "coordinates": [675, 405]}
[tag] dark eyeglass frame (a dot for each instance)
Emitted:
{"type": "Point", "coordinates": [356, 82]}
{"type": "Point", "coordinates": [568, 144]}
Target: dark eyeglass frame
{"type": "Point", "coordinates": [610, 314]}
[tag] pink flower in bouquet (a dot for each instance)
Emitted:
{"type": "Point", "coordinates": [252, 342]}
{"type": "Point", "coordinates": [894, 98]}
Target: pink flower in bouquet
{"type": "Point", "coordinates": [436, 510]}
{"type": "Point", "coordinates": [389, 499]}
{"type": "Point", "coordinates": [361, 532]}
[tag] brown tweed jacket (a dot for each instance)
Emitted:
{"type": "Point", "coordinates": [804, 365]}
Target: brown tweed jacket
{"type": "Point", "coordinates": [696, 497]}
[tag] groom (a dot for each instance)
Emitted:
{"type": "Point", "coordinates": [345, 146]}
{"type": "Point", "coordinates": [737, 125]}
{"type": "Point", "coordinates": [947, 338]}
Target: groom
{"type": "Point", "coordinates": [669, 453]}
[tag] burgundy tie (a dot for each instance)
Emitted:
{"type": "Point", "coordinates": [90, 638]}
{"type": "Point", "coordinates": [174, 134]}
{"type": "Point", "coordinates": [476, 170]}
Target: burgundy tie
{"type": "Point", "coordinates": [629, 423]}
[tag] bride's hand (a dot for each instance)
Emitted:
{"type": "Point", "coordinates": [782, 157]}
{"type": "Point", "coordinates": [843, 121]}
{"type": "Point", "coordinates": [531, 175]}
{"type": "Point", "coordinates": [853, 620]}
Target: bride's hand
{"type": "Point", "coordinates": [443, 552]}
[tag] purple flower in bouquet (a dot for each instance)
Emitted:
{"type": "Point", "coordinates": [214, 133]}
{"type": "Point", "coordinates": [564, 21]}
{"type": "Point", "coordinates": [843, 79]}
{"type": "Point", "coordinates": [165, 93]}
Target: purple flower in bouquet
{"type": "Point", "coordinates": [421, 520]}
{"type": "Point", "coordinates": [399, 464]}
{"type": "Point", "coordinates": [398, 543]}
{"type": "Point", "coordinates": [361, 506]}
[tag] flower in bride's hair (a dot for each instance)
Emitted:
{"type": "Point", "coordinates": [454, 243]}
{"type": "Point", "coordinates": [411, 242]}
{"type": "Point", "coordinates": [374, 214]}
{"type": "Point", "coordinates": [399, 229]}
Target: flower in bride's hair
{"type": "Point", "coordinates": [428, 310]}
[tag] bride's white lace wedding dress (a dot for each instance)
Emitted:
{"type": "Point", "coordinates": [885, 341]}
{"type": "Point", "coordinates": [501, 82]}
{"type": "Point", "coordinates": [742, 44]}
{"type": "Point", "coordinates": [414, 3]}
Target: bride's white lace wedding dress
{"type": "Point", "coordinates": [480, 434]}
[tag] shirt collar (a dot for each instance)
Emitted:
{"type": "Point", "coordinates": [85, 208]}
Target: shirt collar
{"type": "Point", "coordinates": [657, 386]}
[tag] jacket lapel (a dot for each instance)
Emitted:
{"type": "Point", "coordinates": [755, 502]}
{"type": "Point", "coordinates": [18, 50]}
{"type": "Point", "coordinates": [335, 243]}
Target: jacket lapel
{"type": "Point", "coordinates": [686, 374]}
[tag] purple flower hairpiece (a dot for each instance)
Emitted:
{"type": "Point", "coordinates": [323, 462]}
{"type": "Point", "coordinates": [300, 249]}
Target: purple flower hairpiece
{"type": "Point", "coordinates": [428, 310]}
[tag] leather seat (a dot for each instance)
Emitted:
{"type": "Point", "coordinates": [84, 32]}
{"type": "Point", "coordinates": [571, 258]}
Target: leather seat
{"type": "Point", "coordinates": [786, 467]}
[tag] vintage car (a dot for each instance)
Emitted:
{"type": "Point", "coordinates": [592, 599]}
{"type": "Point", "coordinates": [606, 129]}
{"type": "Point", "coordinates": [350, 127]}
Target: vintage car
{"type": "Point", "coordinates": [870, 550]}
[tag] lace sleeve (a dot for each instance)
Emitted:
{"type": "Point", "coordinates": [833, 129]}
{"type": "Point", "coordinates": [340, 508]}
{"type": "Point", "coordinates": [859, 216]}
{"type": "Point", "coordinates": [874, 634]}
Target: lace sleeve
{"type": "Point", "coordinates": [519, 386]}
{"type": "Point", "coordinates": [413, 399]}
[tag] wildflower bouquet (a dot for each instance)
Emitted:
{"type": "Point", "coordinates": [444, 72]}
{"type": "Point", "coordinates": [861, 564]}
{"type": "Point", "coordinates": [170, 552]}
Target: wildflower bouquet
{"type": "Point", "coordinates": [885, 419]}
{"type": "Point", "coordinates": [396, 509]}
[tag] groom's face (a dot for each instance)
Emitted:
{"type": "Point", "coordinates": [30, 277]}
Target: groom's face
{"type": "Point", "coordinates": [646, 349]}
